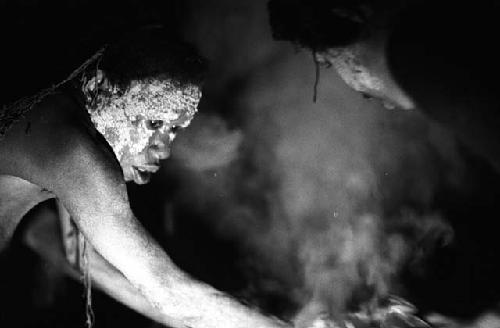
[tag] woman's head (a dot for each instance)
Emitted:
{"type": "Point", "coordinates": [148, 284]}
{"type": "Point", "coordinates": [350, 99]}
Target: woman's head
{"type": "Point", "coordinates": [142, 90]}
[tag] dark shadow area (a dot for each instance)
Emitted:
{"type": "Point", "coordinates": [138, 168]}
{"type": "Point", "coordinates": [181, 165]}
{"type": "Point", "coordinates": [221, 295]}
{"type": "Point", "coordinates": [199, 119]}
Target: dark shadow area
{"type": "Point", "coordinates": [43, 42]}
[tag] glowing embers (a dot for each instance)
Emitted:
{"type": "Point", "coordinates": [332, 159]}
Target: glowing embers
{"type": "Point", "coordinates": [393, 313]}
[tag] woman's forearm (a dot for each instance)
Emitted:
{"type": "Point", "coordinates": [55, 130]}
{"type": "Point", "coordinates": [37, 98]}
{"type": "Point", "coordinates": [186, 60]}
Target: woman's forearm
{"type": "Point", "coordinates": [186, 302]}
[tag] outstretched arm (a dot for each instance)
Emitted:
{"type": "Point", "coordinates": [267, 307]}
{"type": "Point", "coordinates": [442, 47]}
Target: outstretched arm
{"type": "Point", "coordinates": [116, 234]}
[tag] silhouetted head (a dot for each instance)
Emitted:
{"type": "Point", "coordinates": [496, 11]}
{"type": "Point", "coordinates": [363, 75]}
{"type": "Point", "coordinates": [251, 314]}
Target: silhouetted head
{"type": "Point", "coordinates": [349, 35]}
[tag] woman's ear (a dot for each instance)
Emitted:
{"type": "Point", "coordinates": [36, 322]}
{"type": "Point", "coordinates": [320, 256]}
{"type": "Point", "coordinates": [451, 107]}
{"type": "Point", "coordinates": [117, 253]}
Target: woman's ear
{"type": "Point", "coordinates": [93, 84]}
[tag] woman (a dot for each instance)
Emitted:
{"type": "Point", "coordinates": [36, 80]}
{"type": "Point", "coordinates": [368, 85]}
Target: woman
{"type": "Point", "coordinates": [112, 121]}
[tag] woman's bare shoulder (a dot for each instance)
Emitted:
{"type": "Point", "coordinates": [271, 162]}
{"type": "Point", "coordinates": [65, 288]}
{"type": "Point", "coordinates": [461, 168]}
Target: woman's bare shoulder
{"type": "Point", "coordinates": [53, 146]}
{"type": "Point", "coordinates": [39, 133]}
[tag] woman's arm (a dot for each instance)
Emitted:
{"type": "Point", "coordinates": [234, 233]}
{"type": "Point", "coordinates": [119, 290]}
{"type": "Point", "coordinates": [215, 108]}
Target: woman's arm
{"type": "Point", "coordinates": [56, 240]}
{"type": "Point", "coordinates": [98, 202]}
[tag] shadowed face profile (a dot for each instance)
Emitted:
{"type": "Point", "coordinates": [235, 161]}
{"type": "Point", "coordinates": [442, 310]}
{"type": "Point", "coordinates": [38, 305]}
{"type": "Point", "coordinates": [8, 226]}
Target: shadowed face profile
{"type": "Point", "coordinates": [350, 36]}
{"type": "Point", "coordinates": [363, 66]}
{"type": "Point", "coordinates": [141, 122]}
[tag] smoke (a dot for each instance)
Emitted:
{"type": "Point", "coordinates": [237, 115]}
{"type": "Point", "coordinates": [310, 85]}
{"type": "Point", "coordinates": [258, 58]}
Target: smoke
{"type": "Point", "coordinates": [329, 200]}
{"type": "Point", "coordinates": [341, 167]}
{"type": "Point", "coordinates": [208, 144]}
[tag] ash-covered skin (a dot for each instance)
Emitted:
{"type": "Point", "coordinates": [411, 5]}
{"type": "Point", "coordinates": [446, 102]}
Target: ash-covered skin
{"type": "Point", "coordinates": [363, 66]}
{"type": "Point", "coordinates": [140, 123]}
{"type": "Point", "coordinates": [347, 64]}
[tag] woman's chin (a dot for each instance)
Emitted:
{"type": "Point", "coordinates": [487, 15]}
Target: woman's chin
{"type": "Point", "coordinates": [134, 174]}
{"type": "Point", "coordinates": [140, 176]}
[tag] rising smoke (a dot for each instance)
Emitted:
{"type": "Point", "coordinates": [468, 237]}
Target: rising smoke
{"type": "Point", "coordinates": [329, 200]}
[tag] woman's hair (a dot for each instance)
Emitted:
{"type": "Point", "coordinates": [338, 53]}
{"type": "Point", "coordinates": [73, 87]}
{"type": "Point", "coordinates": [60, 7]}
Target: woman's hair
{"type": "Point", "coordinates": [322, 24]}
{"type": "Point", "coordinates": [152, 53]}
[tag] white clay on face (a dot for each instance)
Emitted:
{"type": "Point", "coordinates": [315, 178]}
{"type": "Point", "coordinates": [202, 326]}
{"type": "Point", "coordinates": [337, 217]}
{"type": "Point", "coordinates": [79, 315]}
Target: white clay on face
{"type": "Point", "coordinates": [121, 117]}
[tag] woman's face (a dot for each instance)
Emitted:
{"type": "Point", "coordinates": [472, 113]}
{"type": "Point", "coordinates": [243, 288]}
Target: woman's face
{"type": "Point", "coordinates": [141, 123]}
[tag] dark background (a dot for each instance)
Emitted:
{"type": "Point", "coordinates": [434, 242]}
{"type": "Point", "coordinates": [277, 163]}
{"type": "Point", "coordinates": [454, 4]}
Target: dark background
{"type": "Point", "coordinates": [253, 177]}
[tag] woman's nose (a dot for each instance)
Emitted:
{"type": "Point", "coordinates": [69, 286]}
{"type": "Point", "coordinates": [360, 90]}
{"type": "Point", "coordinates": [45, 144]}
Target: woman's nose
{"type": "Point", "coordinates": [160, 146]}
{"type": "Point", "coordinates": [158, 152]}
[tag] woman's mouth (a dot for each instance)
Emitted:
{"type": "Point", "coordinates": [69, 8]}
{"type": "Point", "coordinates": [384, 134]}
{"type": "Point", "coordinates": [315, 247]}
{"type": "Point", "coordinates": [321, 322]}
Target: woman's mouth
{"type": "Point", "coordinates": [142, 173]}
{"type": "Point", "coordinates": [151, 168]}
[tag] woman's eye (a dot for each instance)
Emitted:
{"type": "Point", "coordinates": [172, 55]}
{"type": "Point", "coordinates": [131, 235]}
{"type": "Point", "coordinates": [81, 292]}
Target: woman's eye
{"type": "Point", "coordinates": [154, 124]}
{"type": "Point", "coordinates": [366, 96]}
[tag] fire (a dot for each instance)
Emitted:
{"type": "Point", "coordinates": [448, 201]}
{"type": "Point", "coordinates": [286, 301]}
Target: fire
{"type": "Point", "coordinates": [395, 313]}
